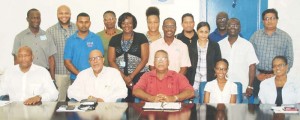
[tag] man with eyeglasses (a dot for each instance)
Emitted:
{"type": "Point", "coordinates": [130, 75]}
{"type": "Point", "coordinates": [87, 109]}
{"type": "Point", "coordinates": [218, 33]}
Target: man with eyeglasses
{"type": "Point", "coordinates": [177, 50]}
{"type": "Point", "coordinates": [162, 84]}
{"type": "Point", "coordinates": [98, 82]}
{"type": "Point", "coordinates": [79, 45]}
{"type": "Point", "coordinates": [241, 57]}
{"type": "Point", "coordinates": [220, 32]}
{"type": "Point", "coordinates": [268, 43]}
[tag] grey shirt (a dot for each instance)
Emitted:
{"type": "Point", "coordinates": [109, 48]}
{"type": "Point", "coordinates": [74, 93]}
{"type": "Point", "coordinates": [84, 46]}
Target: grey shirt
{"type": "Point", "coordinates": [42, 46]}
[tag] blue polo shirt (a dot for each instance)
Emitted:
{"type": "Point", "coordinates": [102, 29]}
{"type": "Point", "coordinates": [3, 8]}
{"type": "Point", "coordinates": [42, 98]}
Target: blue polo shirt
{"type": "Point", "coordinates": [77, 50]}
{"type": "Point", "coordinates": [216, 36]}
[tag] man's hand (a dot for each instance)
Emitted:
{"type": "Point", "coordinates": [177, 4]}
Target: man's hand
{"type": "Point", "coordinates": [33, 100]}
{"type": "Point", "coordinates": [165, 98]}
{"type": "Point", "coordinates": [98, 99]}
{"type": "Point", "coordinates": [249, 92]}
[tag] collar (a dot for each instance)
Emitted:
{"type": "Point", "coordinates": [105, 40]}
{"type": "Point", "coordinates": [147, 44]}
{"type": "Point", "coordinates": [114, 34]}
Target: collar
{"type": "Point", "coordinates": [88, 35]}
{"type": "Point", "coordinates": [169, 73]}
{"type": "Point", "coordinates": [71, 25]}
{"type": "Point", "coordinates": [28, 31]}
{"type": "Point", "coordinates": [274, 33]}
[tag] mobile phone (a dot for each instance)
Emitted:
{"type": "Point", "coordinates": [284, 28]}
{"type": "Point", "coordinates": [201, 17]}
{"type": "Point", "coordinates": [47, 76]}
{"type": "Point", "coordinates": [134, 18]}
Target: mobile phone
{"type": "Point", "coordinates": [70, 107]}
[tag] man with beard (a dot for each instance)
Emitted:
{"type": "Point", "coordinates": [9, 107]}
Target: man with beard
{"type": "Point", "coordinates": [79, 45]}
{"type": "Point", "coordinates": [241, 56]}
{"type": "Point", "coordinates": [220, 32]}
{"type": "Point", "coordinates": [60, 32]}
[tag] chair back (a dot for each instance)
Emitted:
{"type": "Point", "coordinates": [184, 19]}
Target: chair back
{"type": "Point", "coordinates": [239, 96]}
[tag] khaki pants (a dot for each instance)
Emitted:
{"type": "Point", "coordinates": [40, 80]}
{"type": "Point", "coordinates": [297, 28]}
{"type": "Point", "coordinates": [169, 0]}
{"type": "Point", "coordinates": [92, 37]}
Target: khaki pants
{"type": "Point", "coordinates": [62, 82]}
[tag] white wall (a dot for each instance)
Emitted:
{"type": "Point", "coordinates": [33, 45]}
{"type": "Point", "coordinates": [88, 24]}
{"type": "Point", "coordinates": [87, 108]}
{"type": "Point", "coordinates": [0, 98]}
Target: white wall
{"type": "Point", "coordinates": [13, 17]}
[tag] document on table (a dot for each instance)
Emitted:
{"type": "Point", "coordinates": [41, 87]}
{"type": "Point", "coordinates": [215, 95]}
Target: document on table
{"type": "Point", "coordinates": [64, 109]}
{"type": "Point", "coordinates": [3, 103]}
{"type": "Point", "coordinates": [162, 106]}
{"type": "Point", "coordinates": [285, 109]}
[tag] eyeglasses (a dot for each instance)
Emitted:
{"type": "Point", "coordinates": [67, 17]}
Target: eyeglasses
{"type": "Point", "coordinates": [235, 26]}
{"type": "Point", "coordinates": [169, 26]}
{"type": "Point", "coordinates": [95, 58]}
{"type": "Point", "coordinates": [221, 19]}
{"type": "Point", "coordinates": [221, 69]}
{"type": "Point", "coordinates": [161, 58]}
{"type": "Point", "coordinates": [270, 18]}
{"type": "Point", "coordinates": [279, 66]}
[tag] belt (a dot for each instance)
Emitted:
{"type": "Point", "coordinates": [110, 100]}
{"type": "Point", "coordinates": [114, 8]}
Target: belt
{"type": "Point", "coordinates": [265, 71]}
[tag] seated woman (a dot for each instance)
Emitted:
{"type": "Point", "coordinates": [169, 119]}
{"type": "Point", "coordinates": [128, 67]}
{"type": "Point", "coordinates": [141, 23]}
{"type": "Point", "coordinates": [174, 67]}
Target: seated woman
{"type": "Point", "coordinates": [161, 84]}
{"type": "Point", "coordinates": [220, 90]}
{"type": "Point", "coordinates": [280, 89]}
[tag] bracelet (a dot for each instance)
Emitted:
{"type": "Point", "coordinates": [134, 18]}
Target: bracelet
{"type": "Point", "coordinates": [176, 98]}
{"type": "Point", "coordinates": [250, 87]}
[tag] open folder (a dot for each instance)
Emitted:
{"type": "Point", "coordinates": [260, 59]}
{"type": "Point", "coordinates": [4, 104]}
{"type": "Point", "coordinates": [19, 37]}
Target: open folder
{"type": "Point", "coordinates": [162, 106]}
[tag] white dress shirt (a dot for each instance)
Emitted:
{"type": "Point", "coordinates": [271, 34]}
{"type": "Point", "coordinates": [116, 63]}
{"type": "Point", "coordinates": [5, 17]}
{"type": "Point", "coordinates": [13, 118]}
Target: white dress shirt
{"type": "Point", "coordinates": [218, 96]}
{"type": "Point", "coordinates": [21, 86]}
{"type": "Point", "coordinates": [240, 56]}
{"type": "Point", "coordinates": [290, 91]}
{"type": "Point", "coordinates": [109, 85]}
{"type": "Point", "coordinates": [177, 51]}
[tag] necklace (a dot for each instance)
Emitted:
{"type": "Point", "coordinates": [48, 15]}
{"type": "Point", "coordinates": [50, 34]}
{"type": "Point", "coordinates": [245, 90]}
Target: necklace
{"type": "Point", "coordinates": [110, 33]}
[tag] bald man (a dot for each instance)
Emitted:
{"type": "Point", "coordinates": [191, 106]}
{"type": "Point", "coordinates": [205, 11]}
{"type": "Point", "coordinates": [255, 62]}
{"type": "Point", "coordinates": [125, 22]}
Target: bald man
{"type": "Point", "coordinates": [28, 82]}
{"type": "Point", "coordinates": [60, 32]}
{"type": "Point", "coordinates": [98, 82]}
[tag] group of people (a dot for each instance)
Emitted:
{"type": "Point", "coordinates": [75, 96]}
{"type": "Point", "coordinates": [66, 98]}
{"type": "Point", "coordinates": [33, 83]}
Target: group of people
{"type": "Point", "coordinates": [154, 66]}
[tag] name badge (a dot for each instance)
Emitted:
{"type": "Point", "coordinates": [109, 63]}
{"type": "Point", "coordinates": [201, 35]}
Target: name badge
{"type": "Point", "coordinates": [43, 37]}
{"type": "Point", "coordinates": [122, 63]}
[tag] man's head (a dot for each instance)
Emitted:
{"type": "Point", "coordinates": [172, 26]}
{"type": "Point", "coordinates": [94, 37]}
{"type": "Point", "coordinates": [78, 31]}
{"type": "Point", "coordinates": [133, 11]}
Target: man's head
{"type": "Point", "coordinates": [96, 61]}
{"type": "Point", "coordinates": [233, 27]}
{"type": "Point", "coordinates": [109, 19]}
{"type": "Point", "coordinates": [221, 20]}
{"type": "Point", "coordinates": [63, 14]}
{"type": "Point", "coordinates": [270, 19]}
{"type": "Point", "coordinates": [161, 60]}
{"type": "Point", "coordinates": [24, 57]}
{"type": "Point", "coordinates": [34, 18]}
{"type": "Point", "coordinates": [83, 22]}
{"type": "Point", "coordinates": [187, 22]}
{"type": "Point", "coordinates": [169, 27]}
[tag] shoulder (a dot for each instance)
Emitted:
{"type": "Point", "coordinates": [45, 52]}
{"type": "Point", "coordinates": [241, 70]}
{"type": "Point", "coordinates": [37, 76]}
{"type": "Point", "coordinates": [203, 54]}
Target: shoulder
{"type": "Point", "coordinates": [268, 81]}
{"type": "Point", "coordinates": [22, 33]}
{"type": "Point", "coordinates": [116, 37]}
{"type": "Point", "coordinates": [52, 28]}
{"type": "Point", "coordinates": [282, 33]}
{"type": "Point", "coordinates": [39, 69]}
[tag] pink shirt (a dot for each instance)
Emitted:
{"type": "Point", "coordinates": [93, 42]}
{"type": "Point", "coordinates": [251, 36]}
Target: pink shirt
{"type": "Point", "coordinates": [172, 84]}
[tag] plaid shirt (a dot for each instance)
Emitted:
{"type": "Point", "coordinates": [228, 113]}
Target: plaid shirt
{"type": "Point", "coordinates": [60, 36]}
{"type": "Point", "coordinates": [267, 47]}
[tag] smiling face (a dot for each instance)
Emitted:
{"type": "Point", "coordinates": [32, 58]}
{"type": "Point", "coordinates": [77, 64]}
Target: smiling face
{"type": "Point", "coordinates": [169, 28]}
{"type": "Point", "coordinates": [127, 25]}
{"type": "Point", "coordinates": [280, 67]}
{"type": "Point", "coordinates": [153, 23]}
{"type": "Point", "coordinates": [34, 19]}
{"type": "Point", "coordinates": [64, 14]}
{"type": "Point", "coordinates": [221, 69]}
{"type": "Point", "coordinates": [233, 28]}
{"type": "Point", "coordinates": [161, 61]}
{"type": "Point", "coordinates": [96, 61]}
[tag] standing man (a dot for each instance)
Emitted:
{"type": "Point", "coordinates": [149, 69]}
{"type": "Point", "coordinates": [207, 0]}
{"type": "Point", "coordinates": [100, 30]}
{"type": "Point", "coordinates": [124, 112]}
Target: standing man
{"type": "Point", "coordinates": [241, 56]}
{"type": "Point", "coordinates": [41, 43]}
{"type": "Point", "coordinates": [220, 32]}
{"type": "Point", "coordinates": [60, 32]}
{"type": "Point", "coordinates": [177, 50]}
{"type": "Point", "coordinates": [79, 45]}
{"type": "Point", "coordinates": [268, 43]}
{"type": "Point", "coordinates": [26, 81]}
{"type": "Point", "coordinates": [110, 30]}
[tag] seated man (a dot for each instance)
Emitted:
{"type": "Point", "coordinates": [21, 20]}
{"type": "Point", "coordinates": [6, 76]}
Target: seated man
{"type": "Point", "coordinates": [98, 82]}
{"type": "Point", "coordinates": [161, 84]}
{"type": "Point", "coordinates": [28, 82]}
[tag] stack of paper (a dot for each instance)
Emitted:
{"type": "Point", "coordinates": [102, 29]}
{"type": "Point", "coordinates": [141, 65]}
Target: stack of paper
{"type": "Point", "coordinates": [162, 106]}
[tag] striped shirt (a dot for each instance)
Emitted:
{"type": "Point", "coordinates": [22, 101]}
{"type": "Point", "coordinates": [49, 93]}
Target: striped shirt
{"type": "Point", "coordinates": [267, 47]}
{"type": "Point", "coordinates": [201, 71]}
{"type": "Point", "coordinates": [60, 36]}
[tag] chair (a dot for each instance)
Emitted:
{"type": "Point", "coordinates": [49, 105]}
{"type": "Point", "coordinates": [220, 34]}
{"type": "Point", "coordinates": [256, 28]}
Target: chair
{"type": "Point", "coordinates": [4, 98]}
{"type": "Point", "coordinates": [239, 96]}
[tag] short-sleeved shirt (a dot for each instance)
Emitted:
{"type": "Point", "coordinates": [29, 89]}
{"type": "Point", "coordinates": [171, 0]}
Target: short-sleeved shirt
{"type": "Point", "coordinates": [267, 47]}
{"type": "Point", "coordinates": [172, 84]}
{"type": "Point", "coordinates": [177, 51]}
{"type": "Point", "coordinates": [105, 40]}
{"type": "Point", "coordinates": [77, 50]}
{"type": "Point", "coordinates": [218, 96]}
{"type": "Point", "coordinates": [128, 61]}
{"type": "Point", "coordinates": [60, 36]}
{"type": "Point", "coordinates": [240, 56]}
{"type": "Point", "coordinates": [41, 44]}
